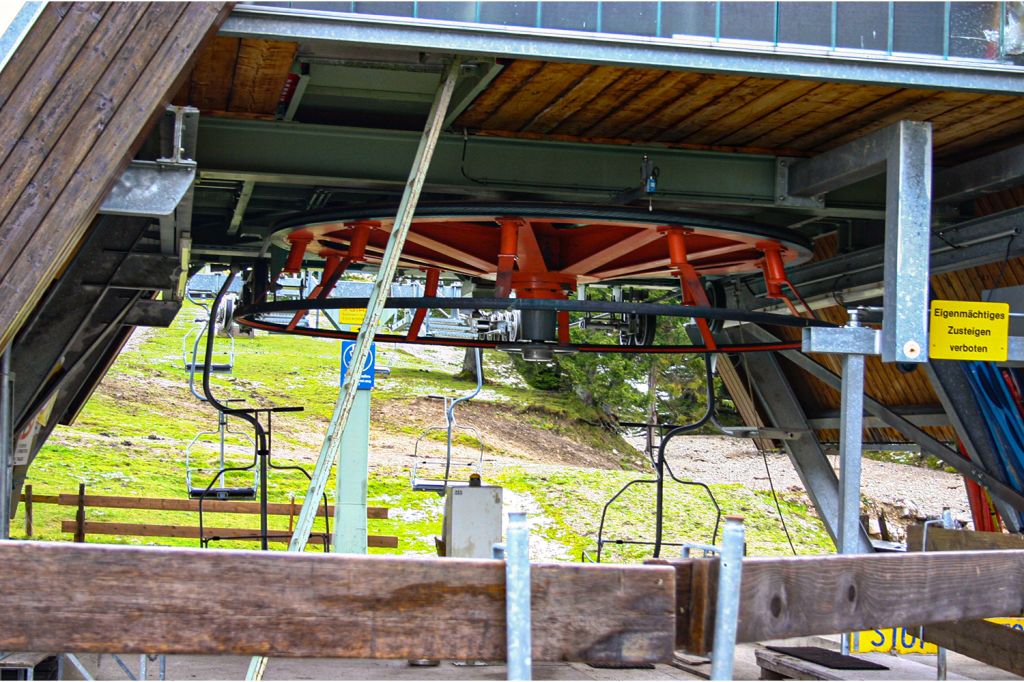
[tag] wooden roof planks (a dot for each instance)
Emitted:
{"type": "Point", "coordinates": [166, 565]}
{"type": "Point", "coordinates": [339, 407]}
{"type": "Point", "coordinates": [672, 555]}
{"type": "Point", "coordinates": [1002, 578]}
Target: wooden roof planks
{"type": "Point", "coordinates": [81, 93]}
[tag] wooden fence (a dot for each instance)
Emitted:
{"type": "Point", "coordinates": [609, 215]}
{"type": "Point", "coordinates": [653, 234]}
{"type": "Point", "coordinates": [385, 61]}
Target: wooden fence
{"type": "Point", "coordinates": [80, 527]}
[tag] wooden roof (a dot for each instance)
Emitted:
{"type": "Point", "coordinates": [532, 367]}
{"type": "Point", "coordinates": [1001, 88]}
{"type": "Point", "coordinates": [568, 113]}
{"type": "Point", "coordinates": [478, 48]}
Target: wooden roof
{"type": "Point", "coordinates": [621, 105]}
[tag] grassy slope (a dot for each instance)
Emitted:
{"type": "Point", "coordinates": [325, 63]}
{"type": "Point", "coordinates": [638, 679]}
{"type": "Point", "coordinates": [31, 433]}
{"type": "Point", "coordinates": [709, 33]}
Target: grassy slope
{"type": "Point", "coordinates": [130, 438]}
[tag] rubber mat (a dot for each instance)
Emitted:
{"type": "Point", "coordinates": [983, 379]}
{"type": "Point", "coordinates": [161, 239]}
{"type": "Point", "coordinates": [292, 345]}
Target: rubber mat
{"type": "Point", "coordinates": [827, 658]}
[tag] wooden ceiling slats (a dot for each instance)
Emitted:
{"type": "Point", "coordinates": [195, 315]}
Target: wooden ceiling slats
{"type": "Point", "coordinates": [922, 110]}
{"type": "Point", "coordinates": [601, 103]}
{"type": "Point", "coordinates": [776, 99]}
{"type": "Point", "coordinates": [817, 109]}
{"type": "Point", "coordinates": [260, 73]}
{"type": "Point", "coordinates": [872, 108]}
{"type": "Point", "coordinates": [209, 87]}
{"type": "Point", "coordinates": [510, 81]}
{"type": "Point", "coordinates": [617, 105]}
{"type": "Point", "coordinates": [572, 102]}
{"type": "Point", "coordinates": [981, 125]}
{"type": "Point", "coordinates": [982, 142]}
{"type": "Point", "coordinates": [731, 101]}
{"type": "Point", "coordinates": [670, 86]}
{"type": "Point", "coordinates": [540, 90]}
{"type": "Point", "coordinates": [703, 92]}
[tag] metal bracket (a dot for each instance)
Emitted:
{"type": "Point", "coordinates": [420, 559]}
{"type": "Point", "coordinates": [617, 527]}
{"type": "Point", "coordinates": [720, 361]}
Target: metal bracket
{"type": "Point", "coordinates": [756, 432]}
{"type": "Point", "coordinates": [782, 195]}
{"type": "Point", "coordinates": [842, 340]}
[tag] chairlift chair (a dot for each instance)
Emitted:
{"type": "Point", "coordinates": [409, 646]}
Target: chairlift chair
{"type": "Point", "coordinates": [440, 484]}
{"type": "Point", "coordinates": [221, 490]}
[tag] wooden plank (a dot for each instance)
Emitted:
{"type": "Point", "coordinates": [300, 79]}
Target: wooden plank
{"type": "Point", "coordinates": [703, 599]}
{"type": "Point", "coordinates": [536, 93]}
{"type": "Point", "coordinates": [813, 138]}
{"type": "Point", "coordinates": [777, 99]}
{"type": "Point", "coordinates": [81, 130]}
{"type": "Point", "coordinates": [209, 86]}
{"type": "Point", "coordinates": [260, 73]}
{"type": "Point", "coordinates": [799, 596]}
{"type": "Point", "coordinates": [652, 98]}
{"type": "Point", "coordinates": [51, 219]}
{"type": "Point", "coordinates": [30, 47]}
{"type": "Point", "coordinates": [512, 77]}
{"type": "Point", "coordinates": [991, 643]}
{"type": "Point", "coordinates": [943, 539]}
{"type": "Point", "coordinates": [103, 598]}
{"type": "Point", "coordinates": [819, 106]}
{"type": "Point", "coordinates": [155, 530]}
{"type": "Point", "coordinates": [43, 499]}
{"type": "Point", "coordinates": [733, 100]}
{"type": "Point", "coordinates": [34, 88]}
{"type": "Point", "coordinates": [692, 99]}
{"type": "Point", "coordinates": [604, 93]}
{"type": "Point", "coordinates": [921, 110]}
{"type": "Point", "coordinates": [211, 506]}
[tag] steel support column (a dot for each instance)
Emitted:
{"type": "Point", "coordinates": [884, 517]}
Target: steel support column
{"type": "Point", "coordinates": [904, 152]}
{"type": "Point", "coordinates": [6, 446]}
{"type": "Point", "coordinates": [781, 406]}
{"type": "Point", "coordinates": [389, 264]}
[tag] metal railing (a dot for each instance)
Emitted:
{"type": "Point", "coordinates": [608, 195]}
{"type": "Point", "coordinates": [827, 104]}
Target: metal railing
{"type": "Point", "coordinates": [988, 31]}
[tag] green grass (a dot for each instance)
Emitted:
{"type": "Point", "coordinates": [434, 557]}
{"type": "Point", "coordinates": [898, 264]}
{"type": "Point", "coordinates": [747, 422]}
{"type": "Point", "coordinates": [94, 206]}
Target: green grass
{"type": "Point", "coordinates": [131, 436]}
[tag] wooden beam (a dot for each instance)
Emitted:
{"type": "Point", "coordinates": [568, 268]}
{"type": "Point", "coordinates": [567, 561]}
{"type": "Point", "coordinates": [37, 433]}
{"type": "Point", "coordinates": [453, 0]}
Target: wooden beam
{"type": "Point", "coordinates": [943, 539]}
{"type": "Point", "coordinates": [103, 598]}
{"type": "Point", "coordinates": [211, 506]}
{"type": "Point", "coordinates": [801, 596]}
{"type": "Point", "coordinates": [991, 643]}
{"type": "Point", "coordinates": [143, 66]}
{"type": "Point", "coordinates": [155, 530]}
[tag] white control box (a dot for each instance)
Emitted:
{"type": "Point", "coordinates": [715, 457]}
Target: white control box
{"type": "Point", "coordinates": [472, 521]}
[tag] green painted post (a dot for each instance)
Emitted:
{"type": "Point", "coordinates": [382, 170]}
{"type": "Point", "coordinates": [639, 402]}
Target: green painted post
{"type": "Point", "coordinates": [352, 475]}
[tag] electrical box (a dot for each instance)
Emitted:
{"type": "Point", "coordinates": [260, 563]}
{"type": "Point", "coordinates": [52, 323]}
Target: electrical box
{"type": "Point", "coordinates": [472, 521]}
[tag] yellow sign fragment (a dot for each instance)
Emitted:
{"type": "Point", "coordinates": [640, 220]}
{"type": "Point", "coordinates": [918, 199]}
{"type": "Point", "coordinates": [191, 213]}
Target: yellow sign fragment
{"type": "Point", "coordinates": [969, 330]}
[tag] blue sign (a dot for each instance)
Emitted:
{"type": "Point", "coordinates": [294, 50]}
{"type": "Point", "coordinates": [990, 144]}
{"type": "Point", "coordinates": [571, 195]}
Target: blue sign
{"type": "Point", "coordinates": [369, 367]}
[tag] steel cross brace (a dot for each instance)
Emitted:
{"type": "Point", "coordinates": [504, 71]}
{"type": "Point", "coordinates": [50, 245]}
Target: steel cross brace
{"type": "Point", "coordinates": [893, 420]}
{"type": "Point", "coordinates": [375, 307]}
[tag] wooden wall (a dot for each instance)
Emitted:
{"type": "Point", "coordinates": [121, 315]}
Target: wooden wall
{"type": "Point", "coordinates": [76, 100]}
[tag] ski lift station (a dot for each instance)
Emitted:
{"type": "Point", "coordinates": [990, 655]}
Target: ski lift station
{"type": "Point", "coordinates": [830, 194]}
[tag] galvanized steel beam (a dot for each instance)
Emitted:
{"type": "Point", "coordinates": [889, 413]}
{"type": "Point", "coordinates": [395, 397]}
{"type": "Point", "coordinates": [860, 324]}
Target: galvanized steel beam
{"type": "Point", "coordinates": [904, 151]}
{"type": "Point", "coordinates": [981, 176]}
{"type": "Point", "coordinates": [975, 242]}
{"type": "Point", "coordinates": [805, 62]}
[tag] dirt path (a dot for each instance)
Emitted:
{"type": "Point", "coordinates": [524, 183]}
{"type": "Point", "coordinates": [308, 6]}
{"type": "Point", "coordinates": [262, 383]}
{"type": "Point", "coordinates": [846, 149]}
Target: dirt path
{"type": "Point", "coordinates": [898, 488]}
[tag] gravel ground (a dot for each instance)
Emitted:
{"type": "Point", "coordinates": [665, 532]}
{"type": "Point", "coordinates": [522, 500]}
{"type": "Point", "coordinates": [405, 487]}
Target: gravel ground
{"type": "Point", "coordinates": [903, 489]}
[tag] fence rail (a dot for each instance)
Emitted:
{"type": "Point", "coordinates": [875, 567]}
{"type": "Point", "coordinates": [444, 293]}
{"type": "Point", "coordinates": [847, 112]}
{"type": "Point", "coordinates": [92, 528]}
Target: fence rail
{"type": "Point", "coordinates": [81, 527]}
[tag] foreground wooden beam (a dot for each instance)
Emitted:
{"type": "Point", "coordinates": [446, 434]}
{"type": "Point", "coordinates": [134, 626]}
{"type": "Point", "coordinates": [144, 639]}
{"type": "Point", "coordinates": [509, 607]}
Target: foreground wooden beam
{"type": "Point", "coordinates": [991, 643]}
{"type": "Point", "coordinates": [800, 596]}
{"type": "Point", "coordinates": [156, 600]}
{"type": "Point", "coordinates": [813, 595]}
{"type": "Point", "coordinates": [944, 539]}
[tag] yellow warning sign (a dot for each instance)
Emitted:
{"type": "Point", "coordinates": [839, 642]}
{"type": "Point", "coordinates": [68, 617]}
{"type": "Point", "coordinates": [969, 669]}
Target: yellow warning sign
{"type": "Point", "coordinates": [351, 315]}
{"type": "Point", "coordinates": [969, 330]}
